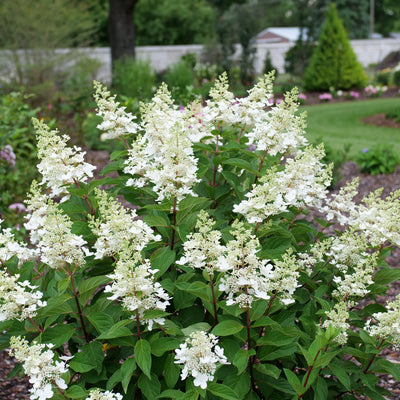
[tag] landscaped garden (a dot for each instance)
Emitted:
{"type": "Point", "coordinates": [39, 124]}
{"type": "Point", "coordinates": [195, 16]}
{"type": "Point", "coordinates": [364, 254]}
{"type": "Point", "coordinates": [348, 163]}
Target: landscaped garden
{"type": "Point", "coordinates": [223, 245]}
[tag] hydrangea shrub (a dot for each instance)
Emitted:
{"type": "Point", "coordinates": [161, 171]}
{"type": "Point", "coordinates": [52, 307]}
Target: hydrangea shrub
{"type": "Point", "coordinates": [194, 274]}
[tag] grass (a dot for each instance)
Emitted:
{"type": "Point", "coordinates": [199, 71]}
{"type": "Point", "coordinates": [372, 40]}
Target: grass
{"type": "Point", "coordinates": [340, 123]}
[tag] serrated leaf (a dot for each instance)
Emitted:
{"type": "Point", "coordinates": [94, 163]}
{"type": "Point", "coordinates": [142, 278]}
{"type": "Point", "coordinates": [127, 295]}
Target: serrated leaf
{"type": "Point", "coordinates": [227, 327]}
{"type": "Point", "coordinates": [117, 330]}
{"type": "Point", "coordinates": [171, 371]}
{"type": "Point", "coordinates": [268, 369]}
{"type": "Point", "coordinates": [76, 392]}
{"type": "Point", "coordinates": [127, 370]}
{"type": "Point", "coordinates": [58, 335]}
{"type": "Point", "coordinates": [341, 374]}
{"type": "Point", "coordinates": [91, 357]}
{"type": "Point", "coordinates": [161, 260]}
{"type": "Point", "coordinates": [163, 344]}
{"type": "Point", "coordinates": [294, 381]}
{"type": "Point", "coordinates": [101, 321]}
{"type": "Point", "coordinates": [171, 394]}
{"type": "Point", "coordinates": [222, 391]}
{"type": "Point", "coordinates": [199, 326]}
{"type": "Point", "coordinates": [386, 276]}
{"type": "Point", "coordinates": [143, 356]}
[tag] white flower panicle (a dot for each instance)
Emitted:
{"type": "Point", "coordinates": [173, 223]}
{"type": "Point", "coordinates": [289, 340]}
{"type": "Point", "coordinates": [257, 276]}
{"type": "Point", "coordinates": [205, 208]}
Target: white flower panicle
{"type": "Point", "coordinates": [355, 283]}
{"type": "Point", "coordinates": [18, 300]}
{"type": "Point", "coordinates": [50, 230]}
{"type": "Point", "coordinates": [117, 123]}
{"type": "Point", "coordinates": [163, 156]}
{"type": "Point", "coordinates": [280, 130]}
{"type": "Point", "coordinates": [222, 107]}
{"type": "Point", "coordinates": [285, 277]}
{"type": "Point", "coordinates": [134, 284]}
{"type": "Point", "coordinates": [341, 206]}
{"type": "Point", "coordinates": [247, 277]}
{"type": "Point", "coordinates": [379, 218]}
{"type": "Point", "coordinates": [40, 206]}
{"type": "Point", "coordinates": [338, 317]}
{"type": "Point", "coordinates": [38, 362]}
{"type": "Point", "coordinates": [302, 182]}
{"type": "Point", "coordinates": [59, 164]}
{"type": "Point", "coordinates": [387, 323]}
{"type": "Point", "coordinates": [9, 248]}
{"type": "Point", "coordinates": [96, 394]}
{"type": "Point", "coordinates": [202, 249]}
{"type": "Point", "coordinates": [117, 228]}
{"type": "Point", "coordinates": [200, 356]}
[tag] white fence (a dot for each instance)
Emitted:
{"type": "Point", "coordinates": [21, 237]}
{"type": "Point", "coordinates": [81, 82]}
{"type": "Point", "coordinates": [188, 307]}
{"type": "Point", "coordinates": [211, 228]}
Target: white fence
{"type": "Point", "coordinates": [160, 57]}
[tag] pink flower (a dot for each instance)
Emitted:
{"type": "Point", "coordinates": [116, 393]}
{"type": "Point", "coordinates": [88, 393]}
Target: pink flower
{"type": "Point", "coordinates": [325, 96]}
{"type": "Point", "coordinates": [302, 96]}
{"type": "Point", "coordinates": [355, 95]}
{"type": "Point", "coordinates": [18, 207]}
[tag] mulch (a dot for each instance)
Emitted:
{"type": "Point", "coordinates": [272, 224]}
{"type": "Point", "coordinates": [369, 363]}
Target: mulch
{"type": "Point", "coordinates": [17, 387]}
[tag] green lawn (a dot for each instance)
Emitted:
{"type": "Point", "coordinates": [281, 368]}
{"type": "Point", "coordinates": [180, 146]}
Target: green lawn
{"type": "Point", "coordinates": [340, 123]}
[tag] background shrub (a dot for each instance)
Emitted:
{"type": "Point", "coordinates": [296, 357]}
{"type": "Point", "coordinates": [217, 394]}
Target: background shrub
{"type": "Point", "coordinates": [133, 78]}
{"type": "Point", "coordinates": [379, 159]}
{"type": "Point", "coordinates": [333, 62]}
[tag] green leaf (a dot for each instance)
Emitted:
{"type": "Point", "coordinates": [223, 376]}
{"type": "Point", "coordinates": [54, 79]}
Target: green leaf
{"type": "Point", "coordinates": [113, 166]}
{"type": "Point", "coordinates": [171, 371]}
{"type": "Point", "coordinates": [89, 286]}
{"type": "Point", "coordinates": [143, 356]}
{"type": "Point", "coordinates": [241, 359]}
{"type": "Point", "coordinates": [227, 327]}
{"type": "Point", "coordinates": [240, 163]}
{"type": "Point", "coordinates": [163, 344]}
{"type": "Point", "coordinates": [101, 321]}
{"type": "Point", "coordinates": [222, 391]}
{"type": "Point", "coordinates": [268, 353]}
{"type": "Point", "coordinates": [275, 338]}
{"type": "Point", "coordinates": [171, 394]}
{"type": "Point", "coordinates": [162, 259]}
{"type": "Point", "coordinates": [76, 392]}
{"type": "Point", "coordinates": [150, 387]}
{"type": "Point", "coordinates": [117, 330]}
{"type": "Point", "coordinates": [91, 357]}
{"type": "Point", "coordinates": [268, 369]}
{"type": "Point", "coordinates": [56, 305]}
{"type": "Point", "coordinates": [320, 389]}
{"type": "Point", "coordinates": [198, 289]}
{"type": "Point", "coordinates": [340, 372]}
{"type": "Point", "coordinates": [115, 378]}
{"type": "Point", "coordinates": [386, 276]}
{"type": "Point", "coordinates": [58, 335]}
{"type": "Point", "coordinates": [199, 326]}
{"type": "Point", "coordinates": [127, 370]}
{"type": "Point", "coordinates": [294, 381]}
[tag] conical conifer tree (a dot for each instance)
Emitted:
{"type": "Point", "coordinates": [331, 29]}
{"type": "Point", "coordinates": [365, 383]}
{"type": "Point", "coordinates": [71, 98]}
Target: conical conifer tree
{"type": "Point", "coordinates": [333, 62]}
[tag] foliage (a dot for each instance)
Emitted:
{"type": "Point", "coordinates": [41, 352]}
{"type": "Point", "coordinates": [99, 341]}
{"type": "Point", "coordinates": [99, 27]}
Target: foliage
{"type": "Point", "coordinates": [163, 22]}
{"type": "Point", "coordinates": [396, 78]}
{"type": "Point", "coordinates": [32, 33]}
{"type": "Point", "coordinates": [379, 159]}
{"type": "Point", "coordinates": [133, 78]}
{"type": "Point", "coordinates": [220, 289]}
{"type": "Point", "coordinates": [383, 77]}
{"type": "Point", "coordinates": [298, 57]}
{"type": "Point", "coordinates": [333, 62]}
{"type": "Point", "coordinates": [387, 16]}
{"type": "Point", "coordinates": [16, 131]}
{"type": "Point", "coordinates": [180, 78]}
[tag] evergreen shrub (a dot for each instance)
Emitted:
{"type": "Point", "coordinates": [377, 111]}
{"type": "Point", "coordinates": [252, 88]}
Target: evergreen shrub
{"type": "Point", "coordinates": [333, 62]}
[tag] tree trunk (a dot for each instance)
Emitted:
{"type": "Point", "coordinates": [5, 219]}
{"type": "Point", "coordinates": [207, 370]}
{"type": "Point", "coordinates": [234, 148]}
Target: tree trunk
{"type": "Point", "coordinates": [121, 29]}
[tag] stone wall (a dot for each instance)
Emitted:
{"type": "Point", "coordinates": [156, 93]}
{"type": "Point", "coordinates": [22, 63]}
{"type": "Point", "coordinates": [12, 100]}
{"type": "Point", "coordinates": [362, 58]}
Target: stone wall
{"type": "Point", "coordinates": [160, 57]}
